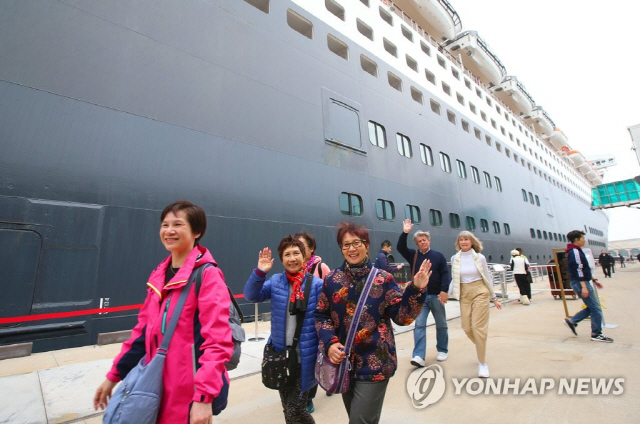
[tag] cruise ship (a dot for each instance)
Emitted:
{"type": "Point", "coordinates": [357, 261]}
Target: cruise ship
{"type": "Point", "coordinates": [277, 116]}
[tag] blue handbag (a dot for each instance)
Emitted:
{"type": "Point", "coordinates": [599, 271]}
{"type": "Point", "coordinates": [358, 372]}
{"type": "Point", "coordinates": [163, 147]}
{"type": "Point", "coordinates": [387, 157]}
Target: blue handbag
{"type": "Point", "coordinates": [137, 399]}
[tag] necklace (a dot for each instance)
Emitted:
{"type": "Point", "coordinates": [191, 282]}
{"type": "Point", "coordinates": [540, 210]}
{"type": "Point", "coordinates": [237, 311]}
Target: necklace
{"type": "Point", "coordinates": [173, 271]}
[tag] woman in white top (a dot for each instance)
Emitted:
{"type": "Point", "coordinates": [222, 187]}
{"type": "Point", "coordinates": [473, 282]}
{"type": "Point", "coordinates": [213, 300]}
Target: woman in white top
{"type": "Point", "coordinates": [520, 266]}
{"type": "Point", "coordinates": [471, 283]}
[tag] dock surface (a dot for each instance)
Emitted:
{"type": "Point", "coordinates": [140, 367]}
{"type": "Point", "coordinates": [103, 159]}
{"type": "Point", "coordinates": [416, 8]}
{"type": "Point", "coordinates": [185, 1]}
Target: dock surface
{"type": "Point", "coordinates": [525, 343]}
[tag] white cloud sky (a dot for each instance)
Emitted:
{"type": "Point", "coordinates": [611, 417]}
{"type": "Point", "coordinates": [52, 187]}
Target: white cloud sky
{"type": "Point", "coordinates": [580, 62]}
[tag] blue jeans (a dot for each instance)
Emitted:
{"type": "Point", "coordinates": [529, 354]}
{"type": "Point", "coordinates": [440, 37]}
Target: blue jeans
{"type": "Point", "coordinates": [420, 332]}
{"type": "Point", "coordinates": [592, 309]}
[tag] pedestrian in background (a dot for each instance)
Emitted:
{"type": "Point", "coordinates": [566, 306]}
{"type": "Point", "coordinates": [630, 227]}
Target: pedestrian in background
{"type": "Point", "coordinates": [606, 261]}
{"type": "Point", "coordinates": [520, 267]}
{"type": "Point", "coordinates": [437, 294]}
{"type": "Point", "coordinates": [315, 266]}
{"type": "Point", "coordinates": [471, 283]}
{"type": "Point", "coordinates": [382, 260]}
{"type": "Point", "coordinates": [581, 279]}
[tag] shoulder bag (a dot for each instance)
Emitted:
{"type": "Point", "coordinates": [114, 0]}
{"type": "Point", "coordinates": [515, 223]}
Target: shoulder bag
{"type": "Point", "coordinates": [336, 378]}
{"type": "Point", "coordinates": [138, 397]}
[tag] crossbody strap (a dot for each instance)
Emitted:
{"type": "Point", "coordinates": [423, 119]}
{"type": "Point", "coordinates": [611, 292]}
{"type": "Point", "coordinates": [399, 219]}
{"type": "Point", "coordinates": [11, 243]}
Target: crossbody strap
{"type": "Point", "coordinates": [300, 315]}
{"type": "Point", "coordinates": [413, 266]}
{"type": "Point", "coordinates": [358, 312]}
{"type": "Point", "coordinates": [164, 346]}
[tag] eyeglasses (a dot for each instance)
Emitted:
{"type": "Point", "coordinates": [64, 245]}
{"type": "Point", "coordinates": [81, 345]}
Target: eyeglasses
{"type": "Point", "coordinates": [355, 244]}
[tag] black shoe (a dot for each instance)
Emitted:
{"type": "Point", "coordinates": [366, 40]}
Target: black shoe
{"type": "Point", "coordinates": [602, 338]}
{"type": "Point", "coordinates": [571, 326]}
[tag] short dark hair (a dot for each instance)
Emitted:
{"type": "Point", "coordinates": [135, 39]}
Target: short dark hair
{"type": "Point", "coordinates": [348, 227]}
{"type": "Point", "coordinates": [385, 244]}
{"type": "Point", "coordinates": [287, 242]}
{"type": "Point", "coordinates": [311, 240]}
{"type": "Point", "coordinates": [195, 216]}
{"type": "Point", "coordinates": [519, 249]}
{"type": "Point", "coordinates": [574, 235]}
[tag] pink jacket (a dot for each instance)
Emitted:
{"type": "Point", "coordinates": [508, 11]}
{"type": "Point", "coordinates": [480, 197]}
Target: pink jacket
{"type": "Point", "coordinates": [202, 338]}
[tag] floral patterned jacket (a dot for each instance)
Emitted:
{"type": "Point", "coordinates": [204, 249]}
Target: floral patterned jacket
{"type": "Point", "coordinates": [373, 354]}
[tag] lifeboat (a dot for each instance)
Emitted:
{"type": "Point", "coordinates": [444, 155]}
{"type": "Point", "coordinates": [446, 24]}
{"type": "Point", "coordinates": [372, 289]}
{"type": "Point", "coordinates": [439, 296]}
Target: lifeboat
{"type": "Point", "coordinates": [597, 181]}
{"type": "Point", "coordinates": [584, 168]}
{"type": "Point", "coordinates": [558, 139]}
{"type": "Point", "coordinates": [576, 157]}
{"type": "Point", "coordinates": [477, 57]}
{"type": "Point", "coordinates": [544, 124]}
{"type": "Point", "coordinates": [591, 175]}
{"type": "Point", "coordinates": [512, 92]}
{"type": "Point", "coordinates": [440, 16]}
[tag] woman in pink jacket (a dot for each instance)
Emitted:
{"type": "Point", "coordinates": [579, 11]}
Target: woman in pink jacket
{"type": "Point", "coordinates": [196, 382]}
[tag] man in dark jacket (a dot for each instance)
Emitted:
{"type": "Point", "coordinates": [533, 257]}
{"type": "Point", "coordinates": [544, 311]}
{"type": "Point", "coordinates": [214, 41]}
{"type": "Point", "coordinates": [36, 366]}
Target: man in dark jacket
{"type": "Point", "coordinates": [581, 278]}
{"type": "Point", "coordinates": [605, 260]}
{"type": "Point", "coordinates": [382, 260]}
{"type": "Point", "coordinates": [437, 293]}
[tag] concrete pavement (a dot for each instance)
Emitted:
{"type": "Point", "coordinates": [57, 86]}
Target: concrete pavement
{"type": "Point", "coordinates": [524, 342]}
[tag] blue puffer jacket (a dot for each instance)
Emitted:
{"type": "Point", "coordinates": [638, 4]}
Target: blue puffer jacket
{"type": "Point", "coordinates": [276, 288]}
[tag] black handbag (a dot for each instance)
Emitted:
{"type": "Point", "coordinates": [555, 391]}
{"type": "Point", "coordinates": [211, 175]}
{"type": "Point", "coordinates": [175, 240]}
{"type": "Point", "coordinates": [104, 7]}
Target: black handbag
{"type": "Point", "coordinates": [280, 369]}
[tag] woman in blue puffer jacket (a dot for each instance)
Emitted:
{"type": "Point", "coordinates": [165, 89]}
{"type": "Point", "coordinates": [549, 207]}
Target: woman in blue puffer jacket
{"type": "Point", "coordinates": [286, 291]}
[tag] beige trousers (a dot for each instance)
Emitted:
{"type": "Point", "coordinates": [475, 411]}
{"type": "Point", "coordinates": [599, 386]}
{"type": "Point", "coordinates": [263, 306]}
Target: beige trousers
{"type": "Point", "coordinates": [474, 312]}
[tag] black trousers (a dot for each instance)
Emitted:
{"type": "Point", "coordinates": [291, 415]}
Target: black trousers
{"type": "Point", "coordinates": [523, 285]}
{"type": "Point", "coordinates": [294, 405]}
{"type": "Point", "coordinates": [607, 270]}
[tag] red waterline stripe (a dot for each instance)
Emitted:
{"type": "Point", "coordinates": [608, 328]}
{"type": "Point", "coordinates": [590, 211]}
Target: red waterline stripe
{"type": "Point", "coordinates": [39, 317]}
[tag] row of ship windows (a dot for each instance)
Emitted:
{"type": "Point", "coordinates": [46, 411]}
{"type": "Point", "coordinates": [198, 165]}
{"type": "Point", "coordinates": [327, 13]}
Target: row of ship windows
{"type": "Point", "coordinates": [351, 205]}
{"type": "Point", "coordinates": [305, 27]}
{"type": "Point", "coordinates": [596, 243]}
{"type": "Point", "coordinates": [596, 232]}
{"type": "Point", "coordinates": [378, 137]}
{"type": "Point", "coordinates": [530, 197]}
{"type": "Point", "coordinates": [547, 236]}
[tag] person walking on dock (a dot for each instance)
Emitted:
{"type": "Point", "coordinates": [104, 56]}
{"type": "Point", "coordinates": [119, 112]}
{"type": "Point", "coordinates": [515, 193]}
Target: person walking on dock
{"type": "Point", "coordinates": [581, 279]}
{"type": "Point", "coordinates": [437, 295]}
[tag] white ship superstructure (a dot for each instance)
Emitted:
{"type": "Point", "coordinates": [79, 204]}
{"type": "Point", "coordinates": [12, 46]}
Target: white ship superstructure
{"type": "Point", "coordinates": [465, 77]}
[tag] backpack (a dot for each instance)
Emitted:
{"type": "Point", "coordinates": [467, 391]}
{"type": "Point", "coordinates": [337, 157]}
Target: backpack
{"type": "Point", "coordinates": [235, 322]}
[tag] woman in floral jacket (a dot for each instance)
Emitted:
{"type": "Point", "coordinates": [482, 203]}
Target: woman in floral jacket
{"type": "Point", "coordinates": [373, 356]}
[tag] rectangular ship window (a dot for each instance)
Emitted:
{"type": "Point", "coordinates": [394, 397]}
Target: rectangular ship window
{"type": "Point", "coordinates": [350, 204]}
{"type": "Point", "coordinates": [338, 47]}
{"type": "Point", "coordinates": [430, 77]}
{"type": "Point", "coordinates": [411, 63]}
{"type": "Point", "coordinates": [425, 48]}
{"type": "Point", "coordinates": [394, 81]}
{"type": "Point", "coordinates": [336, 9]}
{"type": "Point", "coordinates": [261, 5]}
{"type": "Point", "coordinates": [385, 210]}
{"type": "Point", "coordinates": [412, 212]}
{"type": "Point", "coordinates": [300, 24]}
{"type": "Point", "coordinates": [407, 33]}
{"type": "Point", "coordinates": [386, 16]}
{"type": "Point", "coordinates": [368, 65]}
{"type": "Point", "coordinates": [416, 94]}
{"type": "Point", "coordinates": [364, 29]}
{"type": "Point", "coordinates": [390, 47]}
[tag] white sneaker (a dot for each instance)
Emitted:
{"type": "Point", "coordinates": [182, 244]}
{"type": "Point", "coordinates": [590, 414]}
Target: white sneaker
{"type": "Point", "coordinates": [417, 362]}
{"type": "Point", "coordinates": [483, 370]}
{"type": "Point", "coordinates": [442, 356]}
